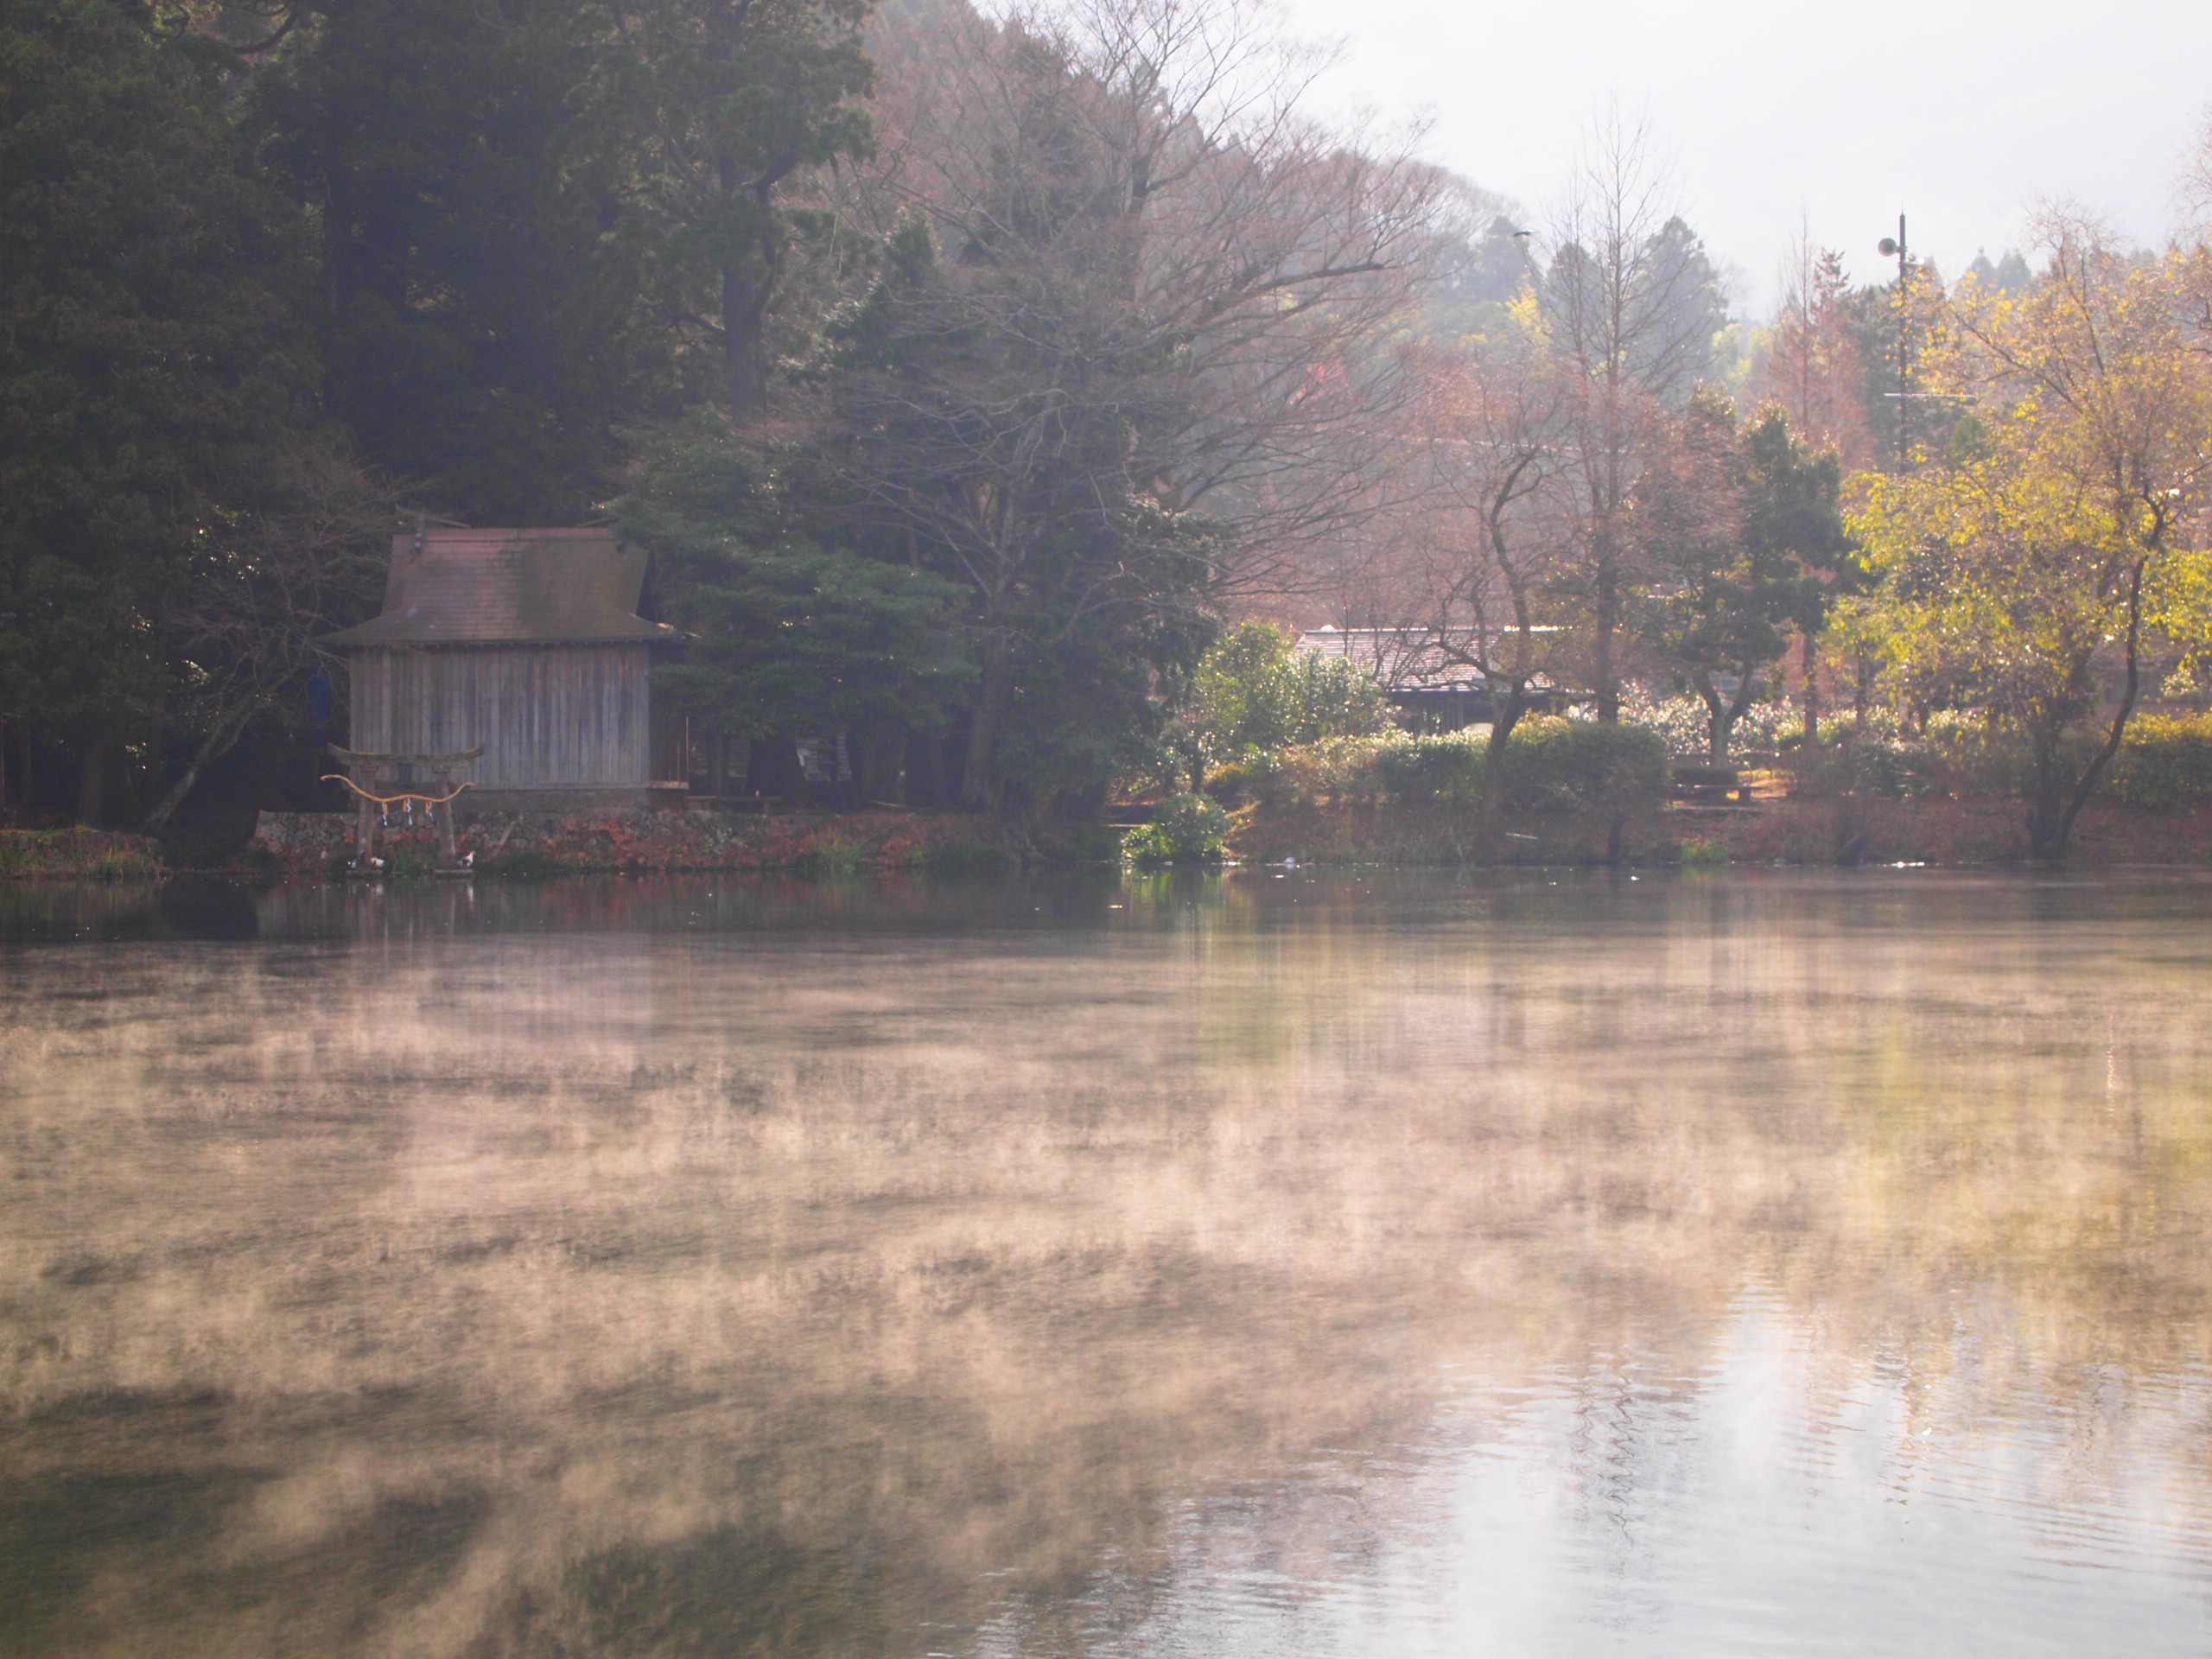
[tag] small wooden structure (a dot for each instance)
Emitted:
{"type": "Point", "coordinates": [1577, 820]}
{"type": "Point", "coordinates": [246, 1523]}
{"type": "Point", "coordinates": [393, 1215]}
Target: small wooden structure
{"type": "Point", "coordinates": [522, 648]}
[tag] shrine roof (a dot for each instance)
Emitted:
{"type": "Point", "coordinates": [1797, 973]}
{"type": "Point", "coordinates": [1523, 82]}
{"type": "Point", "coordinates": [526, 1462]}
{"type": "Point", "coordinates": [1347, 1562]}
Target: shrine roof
{"type": "Point", "coordinates": [510, 587]}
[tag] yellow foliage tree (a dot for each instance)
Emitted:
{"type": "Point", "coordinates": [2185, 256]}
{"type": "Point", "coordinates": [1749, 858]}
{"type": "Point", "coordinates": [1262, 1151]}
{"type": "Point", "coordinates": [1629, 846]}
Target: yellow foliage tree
{"type": "Point", "coordinates": [2025, 569]}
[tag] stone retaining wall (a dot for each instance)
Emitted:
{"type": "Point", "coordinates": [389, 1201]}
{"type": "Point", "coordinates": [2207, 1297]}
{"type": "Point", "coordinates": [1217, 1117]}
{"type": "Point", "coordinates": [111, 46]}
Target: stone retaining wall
{"type": "Point", "coordinates": [546, 843]}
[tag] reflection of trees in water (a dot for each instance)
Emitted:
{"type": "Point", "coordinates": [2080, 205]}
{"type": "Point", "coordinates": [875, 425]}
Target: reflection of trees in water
{"type": "Point", "coordinates": [184, 907]}
{"type": "Point", "coordinates": [752, 1288]}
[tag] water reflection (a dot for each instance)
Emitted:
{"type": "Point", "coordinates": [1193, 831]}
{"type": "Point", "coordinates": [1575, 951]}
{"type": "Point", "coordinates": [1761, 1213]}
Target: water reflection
{"type": "Point", "coordinates": [1357, 1265]}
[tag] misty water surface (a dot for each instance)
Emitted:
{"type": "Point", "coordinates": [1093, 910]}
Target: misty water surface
{"type": "Point", "coordinates": [1248, 1265]}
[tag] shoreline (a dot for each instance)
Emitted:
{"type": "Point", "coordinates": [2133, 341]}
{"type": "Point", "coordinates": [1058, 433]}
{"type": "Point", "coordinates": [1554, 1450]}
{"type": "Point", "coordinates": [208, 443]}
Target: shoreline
{"type": "Point", "coordinates": [1833, 832]}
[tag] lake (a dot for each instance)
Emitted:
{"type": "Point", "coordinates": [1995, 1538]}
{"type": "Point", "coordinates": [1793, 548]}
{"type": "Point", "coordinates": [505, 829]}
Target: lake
{"type": "Point", "coordinates": [1275, 1264]}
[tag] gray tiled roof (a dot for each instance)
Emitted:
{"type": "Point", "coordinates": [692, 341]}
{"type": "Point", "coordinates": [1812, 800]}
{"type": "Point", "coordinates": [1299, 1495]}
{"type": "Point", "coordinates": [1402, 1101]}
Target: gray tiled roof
{"type": "Point", "coordinates": [510, 587]}
{"type": "Point", "coordinates": [1410, 659]}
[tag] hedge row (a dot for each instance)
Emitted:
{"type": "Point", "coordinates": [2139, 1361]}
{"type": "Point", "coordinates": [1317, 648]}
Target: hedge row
{"type": "Point", "coordinates": [2163, 761]}
{"type": "Point", "coordinates": [1550, 764]}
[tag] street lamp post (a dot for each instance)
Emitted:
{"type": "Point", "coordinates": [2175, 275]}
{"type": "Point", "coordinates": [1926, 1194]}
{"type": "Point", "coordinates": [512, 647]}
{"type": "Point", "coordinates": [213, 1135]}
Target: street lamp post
{"type": "Point", "coordinates": [1887, 246]}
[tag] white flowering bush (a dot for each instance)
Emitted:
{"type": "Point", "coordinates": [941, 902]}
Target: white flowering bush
{"type": "Point", "coordinates": [1687, 727]}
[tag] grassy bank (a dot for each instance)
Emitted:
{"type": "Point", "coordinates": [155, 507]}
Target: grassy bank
{"type": "Point", "coordinates": [78, 855]}
{"type": "Point", "coordinates": [1844, 830]}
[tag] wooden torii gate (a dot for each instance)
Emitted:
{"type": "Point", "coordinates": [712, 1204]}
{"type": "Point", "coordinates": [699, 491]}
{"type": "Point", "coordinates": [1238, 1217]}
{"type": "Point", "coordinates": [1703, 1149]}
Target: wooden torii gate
{"type": "Point", "coordinates": [383, 781]}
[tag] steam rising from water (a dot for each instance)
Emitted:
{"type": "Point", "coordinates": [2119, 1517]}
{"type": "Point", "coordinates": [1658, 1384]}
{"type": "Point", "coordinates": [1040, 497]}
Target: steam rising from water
{"type": "Point", "coordinates": [1312, 1266]}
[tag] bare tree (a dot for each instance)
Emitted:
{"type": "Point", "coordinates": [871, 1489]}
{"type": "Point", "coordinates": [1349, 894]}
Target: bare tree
{"type": "Point", "coordinates": [1630, 308]}
{"type": "Point", "coordinates": [2193, 187]}
{"type": "Point", "coordinates": [1494, 526]}
{"type": "Point", "coordinates": [1814, 370]}
{"type": "Point", "coordinates": [266, 586]}
{"type": "Point", "coordinates": [1129, 355]}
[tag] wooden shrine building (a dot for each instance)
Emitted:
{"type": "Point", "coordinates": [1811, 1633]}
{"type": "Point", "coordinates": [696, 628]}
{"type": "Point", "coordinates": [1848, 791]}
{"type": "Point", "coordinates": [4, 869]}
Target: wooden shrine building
{"type": "Point", "coordinates": [525, 644]}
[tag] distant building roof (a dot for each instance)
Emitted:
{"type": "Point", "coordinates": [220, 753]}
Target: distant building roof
{"type": "Point", "coordinates": [510, 587]}
{"type": "Point", "coordinates": [1408, 660]}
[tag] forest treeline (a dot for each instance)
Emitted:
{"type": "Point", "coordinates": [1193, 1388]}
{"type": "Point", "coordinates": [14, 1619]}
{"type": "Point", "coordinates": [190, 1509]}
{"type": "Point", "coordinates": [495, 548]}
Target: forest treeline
{"type": "Point", "coordinates": [966, 376]}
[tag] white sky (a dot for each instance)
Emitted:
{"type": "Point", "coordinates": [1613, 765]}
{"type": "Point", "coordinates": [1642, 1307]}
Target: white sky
{"type": "Point", "coordinates": [1961, 115]}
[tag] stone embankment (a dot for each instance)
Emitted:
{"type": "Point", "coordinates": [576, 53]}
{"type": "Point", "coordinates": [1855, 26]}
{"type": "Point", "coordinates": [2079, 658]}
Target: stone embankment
{"type": "Point", "coordinates": [308, 843]}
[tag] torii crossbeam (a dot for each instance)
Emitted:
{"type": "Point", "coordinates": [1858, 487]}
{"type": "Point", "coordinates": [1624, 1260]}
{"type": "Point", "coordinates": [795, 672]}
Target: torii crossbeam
{"type": "Point", "coordinates": [383, 781]}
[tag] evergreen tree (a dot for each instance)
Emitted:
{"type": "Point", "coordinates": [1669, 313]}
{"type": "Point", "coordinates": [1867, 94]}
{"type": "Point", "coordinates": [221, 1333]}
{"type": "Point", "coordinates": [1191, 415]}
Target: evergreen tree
{"type": "Point", "coordinates": [154, 364]}
{"type": "Point", "coordinates": [482, 253]}
{"type": "Point", "coordinates": [745, 103]}
{"type": "Point", "coordinates": [790, 635]}
{"type": "Point", "coordinates": [1736, 526]}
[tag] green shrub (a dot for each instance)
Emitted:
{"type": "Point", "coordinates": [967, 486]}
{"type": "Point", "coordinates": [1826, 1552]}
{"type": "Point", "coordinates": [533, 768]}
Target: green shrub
{"type": "Point", "coordinates": [1703, 855]}
{"type": "Point", "coordinates": [2163, 761]}
{"type": "Point", "coordinates": [1443, 768]}
{"type": "Point", "coordinates": [1335, 768]}
{"type": "Point", "coordinates": [1254, 693]}
{"type": "Point", "coordinates": [831, 856]}
{"type": "Point", "coordinates": [1554, 763]}
{"type": "Point", "coordinates": [1184, 829]}
{"type": "Point", "coordinates": [1397, 767]}
{"type": "Point", "coordinates": [1260, 776]}
{"type": "Point", "coordinates": [1893, 767]}
{"type": "Point", "coordinates": [1964, 759]}
{"type": "Point", "coordinates": [411, 863]}
{"type": "Point", "coordinates": [1550, 764]}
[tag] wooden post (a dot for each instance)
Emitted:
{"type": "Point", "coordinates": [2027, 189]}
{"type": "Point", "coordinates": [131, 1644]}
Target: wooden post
{"type": "Point", "coordinates": [444, 810]}
{"type": "Point", "coordinates": [362, 836]}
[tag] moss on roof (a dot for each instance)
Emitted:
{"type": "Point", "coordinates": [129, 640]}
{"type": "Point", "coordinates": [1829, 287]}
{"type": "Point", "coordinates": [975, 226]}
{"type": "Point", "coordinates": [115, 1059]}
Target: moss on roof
{"type": "Point", "coordinates": [509, 587]}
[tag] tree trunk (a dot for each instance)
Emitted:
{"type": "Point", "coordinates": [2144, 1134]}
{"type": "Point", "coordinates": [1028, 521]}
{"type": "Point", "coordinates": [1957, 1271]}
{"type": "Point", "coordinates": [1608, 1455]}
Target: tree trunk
{"type": "Point", "coordinates": [217, 744]}
{"type": "Point", "coordinates": [2046, 839]}
{"type": "Point", "coordinates": [1726, 711]}
{"type": "Point", "coordinates": [1489, 803]}
{"type": "Point", "coordinates": [748, 270]}
{"type": "Point", "coordinates": [2094, 774]}
{"type": "Point", "coordinates": [995, 693]}
{"type": "Point", "coordinates": [745, 303]}
{"type": "Point", "coordinates": [92, 782]}
{"type": "Point", "coordinates": [1812, 699]}
{"type": "Point", "coordinates": [937, 780]}
{"type": "Point", "coordinates": [1609, 693]}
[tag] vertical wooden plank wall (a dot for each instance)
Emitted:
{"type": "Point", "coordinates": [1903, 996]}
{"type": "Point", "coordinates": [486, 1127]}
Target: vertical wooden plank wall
{"type": "Point", "coordinates": [548, 716]}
